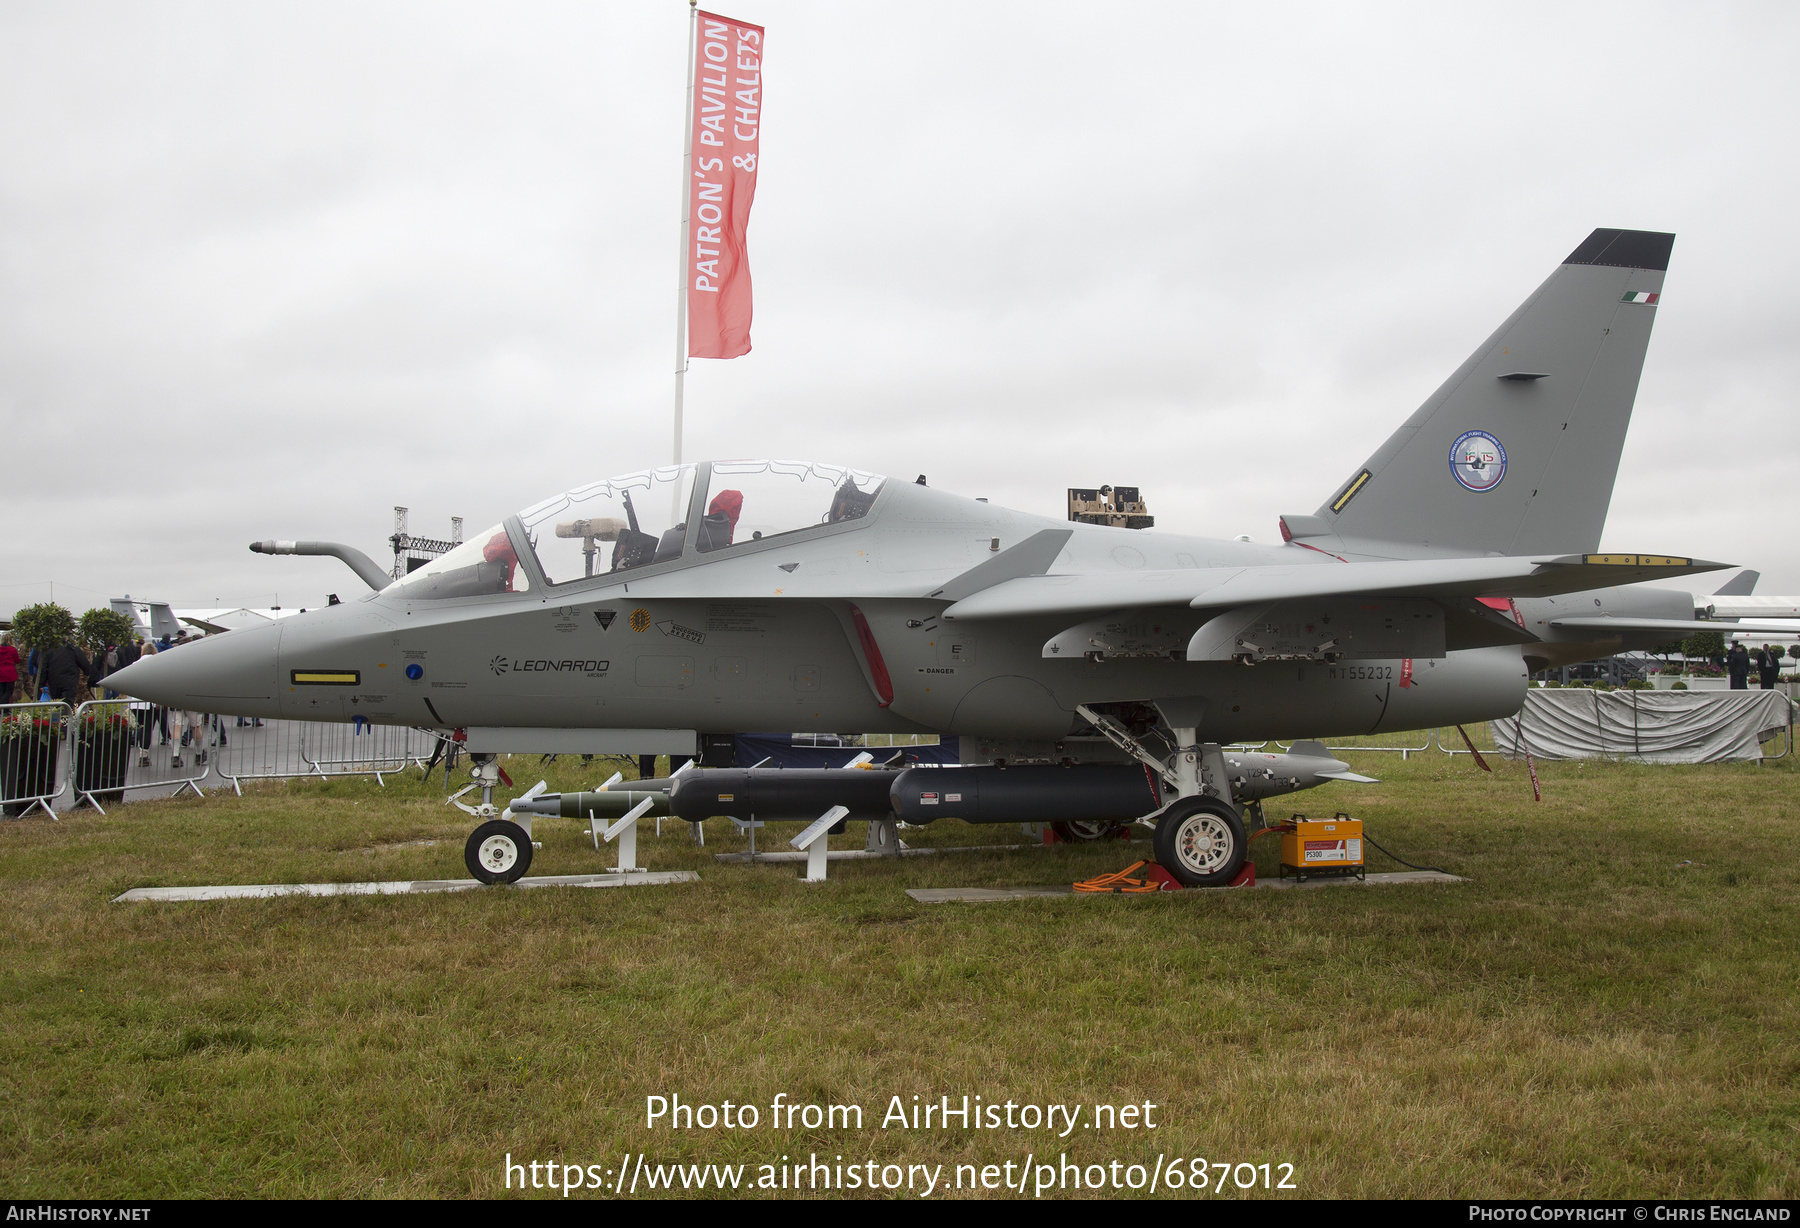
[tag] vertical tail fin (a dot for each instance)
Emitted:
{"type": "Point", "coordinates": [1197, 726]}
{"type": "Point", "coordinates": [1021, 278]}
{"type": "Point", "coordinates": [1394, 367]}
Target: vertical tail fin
{"type": "Point", "coordinates": [1741, 585]}
{"type": "Point", "coordinates": [1517, 452]}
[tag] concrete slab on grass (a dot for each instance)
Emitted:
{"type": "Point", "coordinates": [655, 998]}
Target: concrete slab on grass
{"type": "Point", "coordinates": [864, 854]}
{"type": "Point", "coordinates": [984, 895]}
{"type": "Point", "coordinates": [266, 891]}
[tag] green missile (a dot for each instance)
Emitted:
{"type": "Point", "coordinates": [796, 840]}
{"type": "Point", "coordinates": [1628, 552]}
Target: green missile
{"type": "Point", "coordinates": [607, 804]}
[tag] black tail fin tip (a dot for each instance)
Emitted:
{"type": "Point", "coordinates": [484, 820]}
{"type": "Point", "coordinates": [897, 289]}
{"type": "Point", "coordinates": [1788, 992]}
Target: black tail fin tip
{"type": "Point", "coordinates": [1625, 249]}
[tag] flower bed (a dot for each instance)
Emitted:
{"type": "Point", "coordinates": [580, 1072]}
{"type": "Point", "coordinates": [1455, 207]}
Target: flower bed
{"type": "Point", "coordinates": [30, 741]}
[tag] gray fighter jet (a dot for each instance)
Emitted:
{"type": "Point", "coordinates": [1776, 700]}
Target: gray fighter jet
{"type": "Point", "coordinates": [1092, 671]}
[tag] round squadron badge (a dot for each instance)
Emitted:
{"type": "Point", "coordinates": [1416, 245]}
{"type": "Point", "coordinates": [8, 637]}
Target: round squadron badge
{"type": "Point", "coordinates": [1478, 460]}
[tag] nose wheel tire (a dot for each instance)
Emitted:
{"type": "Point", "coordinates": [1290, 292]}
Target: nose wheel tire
{"type": "Point", "coordinates": [1200, 840]}
{"type": "Point", "coordinates": [498, 851]}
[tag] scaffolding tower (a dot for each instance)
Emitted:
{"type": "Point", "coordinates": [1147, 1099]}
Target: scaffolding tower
{"type": "Point", "coordinates": [412, 553]}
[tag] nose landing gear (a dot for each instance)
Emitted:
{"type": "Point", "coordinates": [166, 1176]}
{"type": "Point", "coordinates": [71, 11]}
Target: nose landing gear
{"type": "Point", "coordinates": [499, 850]}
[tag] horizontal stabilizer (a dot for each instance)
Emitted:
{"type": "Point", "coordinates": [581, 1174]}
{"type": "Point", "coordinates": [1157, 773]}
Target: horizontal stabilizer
{"type": "Point", "coordinates": [1603, 623]}
{"type": "Point", "coordinates": [1348, 777]}
{"type": "Point", "coordinates": [1754, 607]}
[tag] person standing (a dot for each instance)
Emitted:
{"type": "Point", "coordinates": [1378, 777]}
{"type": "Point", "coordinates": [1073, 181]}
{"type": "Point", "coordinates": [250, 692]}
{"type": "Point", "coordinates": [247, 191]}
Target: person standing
{"type": "Point", "coordinates": [189, 726]}
{"type": "Point", "coordinates": [190, 730]}
{"type": "Point", "coordinates": [9, 668]}
{"type": "Point", "coordinates": [106, 663]}
{"type": "Point", "coordinates": [67, 672]}
{"type": "Point", "coordinates": [143, 713]}
{"type": "Point", "coordinates": [1737, 664]}
{"type": "Point", "coordinates": [1768, 666]}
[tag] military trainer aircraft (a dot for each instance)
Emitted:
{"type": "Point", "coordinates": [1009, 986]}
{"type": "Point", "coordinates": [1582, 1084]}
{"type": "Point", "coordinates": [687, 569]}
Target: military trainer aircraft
{"type": "Point", "coordinates": [637, 613]}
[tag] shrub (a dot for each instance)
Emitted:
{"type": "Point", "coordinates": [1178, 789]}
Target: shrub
{"type": "Point", "coordinates": [42, 627]}
{"type": "Point", "coordinates": [1703, 644]}
{"type": "Point", "coordinates": [1679, 686]}
{"type": "Point", "coordinates": [99, 627]}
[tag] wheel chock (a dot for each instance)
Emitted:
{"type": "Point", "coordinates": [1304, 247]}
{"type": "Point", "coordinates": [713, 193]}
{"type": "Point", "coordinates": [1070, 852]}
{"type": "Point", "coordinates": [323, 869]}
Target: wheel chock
{"type": "Point", "coordinates": [1166, 881]}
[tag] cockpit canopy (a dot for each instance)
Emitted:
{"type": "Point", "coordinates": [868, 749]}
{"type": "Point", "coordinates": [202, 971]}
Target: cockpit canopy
{"type": "Point", "coordinates": [641, 519]}
{"type": "Point", "coordinates": [484, 564]}
{"type": "Point", "coordinates": [615, 525]}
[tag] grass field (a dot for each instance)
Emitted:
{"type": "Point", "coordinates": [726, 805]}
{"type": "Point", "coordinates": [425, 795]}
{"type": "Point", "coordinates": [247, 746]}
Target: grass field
{"type": "Point", "coordinates": [1586, 1017]}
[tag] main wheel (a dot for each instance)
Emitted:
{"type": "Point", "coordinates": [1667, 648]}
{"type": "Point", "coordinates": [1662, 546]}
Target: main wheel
{"type": "Point", "coordinates": [498, 851]}
{"type": "Point", "coordinates": [1200, 840]}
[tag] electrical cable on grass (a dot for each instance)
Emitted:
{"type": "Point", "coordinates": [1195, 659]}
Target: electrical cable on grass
{"type": "Point", "coordinates": [1401, 860]}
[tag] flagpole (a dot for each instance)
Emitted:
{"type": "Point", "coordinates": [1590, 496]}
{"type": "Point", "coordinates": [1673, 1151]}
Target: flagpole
{"type": "Point", "coordinates": [681, 288]}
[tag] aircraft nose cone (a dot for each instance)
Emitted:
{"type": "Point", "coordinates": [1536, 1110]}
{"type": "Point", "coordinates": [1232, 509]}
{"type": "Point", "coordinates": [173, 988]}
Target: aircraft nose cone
{"type": "Point", "coordinates": [209, 675]}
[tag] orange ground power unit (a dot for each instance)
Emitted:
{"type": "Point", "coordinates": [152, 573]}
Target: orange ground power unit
{"type": "Point", "coordinates": [1322, 846]}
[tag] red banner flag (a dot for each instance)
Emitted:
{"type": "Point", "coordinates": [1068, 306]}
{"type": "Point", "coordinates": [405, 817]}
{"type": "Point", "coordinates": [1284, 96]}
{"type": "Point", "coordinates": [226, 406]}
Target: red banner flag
{"type": "Point", "coordinates": [727, 126]}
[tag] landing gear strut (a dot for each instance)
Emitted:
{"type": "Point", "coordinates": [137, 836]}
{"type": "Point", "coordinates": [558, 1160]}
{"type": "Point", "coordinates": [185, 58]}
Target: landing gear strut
{"type": "Point", "coordinates": [1200, 836]}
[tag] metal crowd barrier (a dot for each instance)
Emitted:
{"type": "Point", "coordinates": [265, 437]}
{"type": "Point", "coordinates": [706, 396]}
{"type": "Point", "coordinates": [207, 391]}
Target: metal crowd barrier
{"type": "Point", "coordinates": [32, 766]}
{"type": "Point", "coordinates": [105, 748]}
{"type": "Point", "coordinates": [882, 741]}
{"type": "Point", "coordinates": [279, 750]}
{"type": "Point", "coordinates": [1401, 741]}
{"type": "Point", "coordinates": [360, 749]}
{"type": "Point", "coordinates": [121, 744]}
{"type": "Point", "coordinates": [1786, 738]}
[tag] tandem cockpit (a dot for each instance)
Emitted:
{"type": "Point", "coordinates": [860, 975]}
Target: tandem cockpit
{"type": "Point", "coordinates": [683, 513]}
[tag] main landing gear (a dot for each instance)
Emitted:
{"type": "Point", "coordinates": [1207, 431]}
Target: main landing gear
{"type": "Point", "coordinates": [1200, 836]}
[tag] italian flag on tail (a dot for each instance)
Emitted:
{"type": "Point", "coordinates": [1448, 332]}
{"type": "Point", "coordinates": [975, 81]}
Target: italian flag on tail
{"type": "Point", "coordinates": [1641, 296]}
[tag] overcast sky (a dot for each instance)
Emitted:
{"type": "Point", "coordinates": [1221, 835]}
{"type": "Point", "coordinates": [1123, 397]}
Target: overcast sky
{"type": "Point", "coordinates": [268, 270]}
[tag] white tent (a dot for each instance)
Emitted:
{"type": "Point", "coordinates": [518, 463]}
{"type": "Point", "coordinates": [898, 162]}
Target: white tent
{"type": "Point", "coordinates": [1645, 726]}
